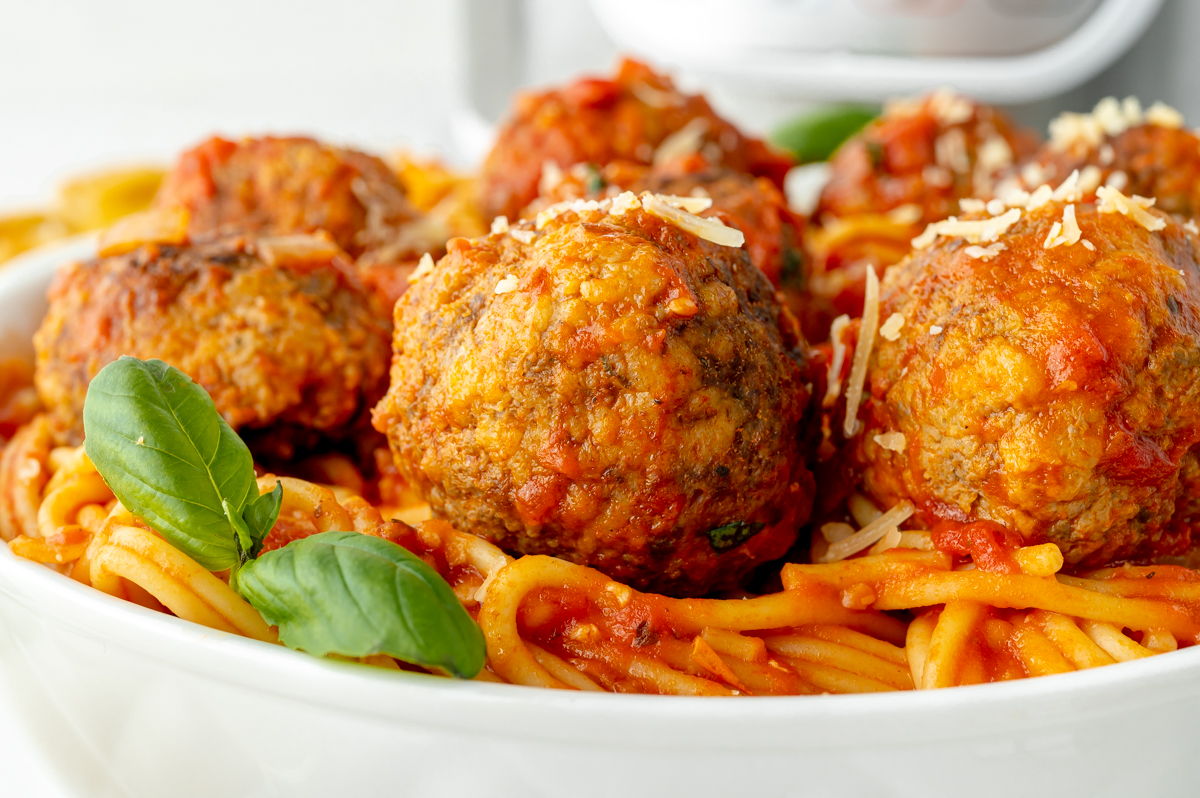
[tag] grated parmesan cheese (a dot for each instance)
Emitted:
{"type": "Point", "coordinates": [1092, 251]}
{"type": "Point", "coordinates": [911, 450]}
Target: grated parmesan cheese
{"type": "Point", "coordinates": [862, 353]}
{"type": "Point", "coordinates": [522, 235]}
{"type": "Point", "coordinates": [905, 214]}
{"type": "Point", "coordinates": [950, 151]}
{"type": "Point", "coordinates": [683, 142]}
{"type": "Point", "coordinates": [713, 230]}
{"type": "Point", "coordinates": [1190, 226]}
{"type": "Point", "coordinates": [1090, 179]}
{"type": "Point", "coordinates": [552, 177]}
{"type": "Point", "coordinates": [424, 267]}
{"type": "Point", "coordinates": [1065, 232]}
{"type": "Point", "coordinates": [890, 331]}
{"type": "Point", "coordinates": [870, 534]}
{"type": "Point", "coordinates": [1164, 115]}
{"type": "Point", "coordinates": [967, 205]}
{"type": "Point", "coordinates": [834, 388]}
{"type": "Point", "coordinates": [935, 329]}
{"type": "Point", "coordinates": [500, 224]}
{"type": "Point", "coordinates": [1088, 245]}
{"type": "Point", "coordinates": [949, 107]}
{"type": "Point", "coordinates": [996, 207]}
{"type": "Point", "coordinates": [624, 203]}
{"type": "Point", "coordinates": [507, 285]}
{"type": "Point", "coordinates": [1118, 180]}
{"type": "Point", "coordinates": [985, 253]}
{"type": "Point", "coordinates": [892, 441]}
{"type": "Point", "coordinates": [1108, 118]}
{"type": "Point", "coordinates": [981, 231]}
{"type": "Point", "coordinates": [1113, 201]}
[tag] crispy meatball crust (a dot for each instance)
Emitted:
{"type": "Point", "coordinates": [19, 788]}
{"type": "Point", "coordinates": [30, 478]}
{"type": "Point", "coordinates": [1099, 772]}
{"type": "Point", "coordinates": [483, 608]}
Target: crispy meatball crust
{"type": "Point", "coordinates": [302, 345]}
{"type": "Point", "coordinates": [600, 120]}
{"type": "Point", "coordinates": [1061, 397]}
{"type": "Point", "coordinates": [631, 389]}
{"type": "Point", "coordinates": [1156, 161]}
{"type": "Point", "coordinates": [929, 153]}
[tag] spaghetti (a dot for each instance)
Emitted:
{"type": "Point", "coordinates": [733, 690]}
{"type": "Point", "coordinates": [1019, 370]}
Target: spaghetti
{"type": "Point", "coordinates": [896, 615]}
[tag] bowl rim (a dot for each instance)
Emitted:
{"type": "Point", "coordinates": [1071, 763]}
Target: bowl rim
{"type": "Point", "coordinates": [405, 696]}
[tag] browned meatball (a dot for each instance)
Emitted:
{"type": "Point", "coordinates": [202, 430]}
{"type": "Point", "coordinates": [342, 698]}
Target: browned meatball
{"type": "Point", "coordinates": [1052, 389]}
{"type": "Point", "coordinates": [928, 153]}
{"type": "Point", "coordinates": [774, 234]}
{"type": "Point", "coordinates": [597, 121]}
{"type": "Point", "coordinates": [298, 185]}
{"type": "Point", "coordinates": [297, 344]}
{"type": "Point", "coordinates": [611, 390]}
{"type": "Point", "coordinates": [1158, 158]}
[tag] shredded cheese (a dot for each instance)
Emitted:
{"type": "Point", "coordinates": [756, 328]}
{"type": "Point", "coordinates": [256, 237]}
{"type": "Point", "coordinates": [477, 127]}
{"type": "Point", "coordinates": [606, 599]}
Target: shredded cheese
{"type": "Point", "coordinates": [892, 441]}
{"type": "Point", "coordinates": [985, 253]}
{"type": "Point", "coordinates": [507, 285]}
{"type": "Point", "coordinates": [869, 534]}
{"type": "Point", "coordinates": [1112, 200]}
{"type": "Point", "coordinates": [1065, 232]}
{"type": "Point", "coordinates": [552, 177]}
{"type": "Point", "coordinates": [683, 142]}
{"type": "Point", "coordinates": [935, 329]}
{"type": "Point", "coordinates": [713, 230]}
{"type": "Point", "coordinates": [968, 205]}
{"type": "Point", "coordinates": [862, 353]}
{"type": "Point", "coordinates": [522, 235]}
{"type": "Point", "coordinates": [500, 224]}
{"type": "Point", "coordinates": [424, 267]}
{"type": "Point", "coordinates": [981, 231]}
{"type": "Point", "coordinates": [890, 331]}
{"type": "Point", "coordinates": [905, 214]}
{"type": "Point", "coordinates": [834, 387]}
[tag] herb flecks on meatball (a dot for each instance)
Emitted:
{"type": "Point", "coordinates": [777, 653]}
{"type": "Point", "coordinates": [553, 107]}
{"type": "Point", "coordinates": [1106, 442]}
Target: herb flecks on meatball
{"type": "Point", "coordinates": [1040, 371]}
{"type": "Point", "coordinates": [608, 389]}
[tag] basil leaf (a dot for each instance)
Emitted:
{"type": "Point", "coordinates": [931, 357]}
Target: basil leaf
{"type": "Point", "coordinates": [355, 595]}
{"type": "Point", "coordinates": [261, 515]}
{"type": "Point", "coordinates": [729, 536]}
{"type": "Point", "coordinates": [157, 440]}
{"type": "Point", "coordinates": [816, 135]}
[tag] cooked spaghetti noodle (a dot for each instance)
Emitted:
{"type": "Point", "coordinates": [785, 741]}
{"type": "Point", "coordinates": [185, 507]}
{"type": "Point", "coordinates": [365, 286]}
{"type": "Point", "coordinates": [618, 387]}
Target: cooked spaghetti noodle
{"type": "Point", "coordinates": [889, 617]}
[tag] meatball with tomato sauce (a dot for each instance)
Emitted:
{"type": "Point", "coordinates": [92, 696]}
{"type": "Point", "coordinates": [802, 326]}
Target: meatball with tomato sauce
{"type": "Point", "coordinates": [638, 116]}
{"type": "Point", "coordinates": [1042, 375]}
{"type": "Point", "coordinates": [927, 153]}
{"type": "Point", "coordinates": [297, 185]}
{"type": "Point", "coordinates": [275, 342]}
{"type": "Point", "coordinates": [608, 388]}
{"type": "Point", "coordinates": [1150, 154]}
{"type": "Point", "coordinates": [910, 167]}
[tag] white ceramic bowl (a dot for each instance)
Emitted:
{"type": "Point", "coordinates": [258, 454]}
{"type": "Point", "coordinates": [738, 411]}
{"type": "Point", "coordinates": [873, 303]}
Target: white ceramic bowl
{"type": "Point", "coordinates": [128, 702]}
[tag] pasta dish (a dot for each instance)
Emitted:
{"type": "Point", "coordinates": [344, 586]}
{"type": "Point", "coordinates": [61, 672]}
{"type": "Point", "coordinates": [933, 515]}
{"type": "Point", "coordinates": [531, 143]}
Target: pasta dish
{"type": "Point", "coordinates": [610, 416]}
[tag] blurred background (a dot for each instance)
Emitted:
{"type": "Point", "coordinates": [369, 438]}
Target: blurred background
{"type": "Point", "coordinates": [90, 84]}
{"type": "Point", "coordinates": [104, 83]}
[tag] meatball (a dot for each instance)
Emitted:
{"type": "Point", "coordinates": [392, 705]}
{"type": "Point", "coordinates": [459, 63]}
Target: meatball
{"type": "Point", "coordinates": [1150, 155]}
{"type": "Point", "coordinates": [774, 234]}
{"type": "Point", "coordinates": [1046, 382]}
{"type": "Point", "coordinates": [906, 169]}
{"type": "Point", "coordinates": [928, 153]}
{"type": "Point", "coordinates": [611, 390]}
{"type": "Point", "coordinates": [597, 121]}
{"type": "Point", "coordinates": [297, 344]}
{"type": "Point", "coordinates": [298, 185]}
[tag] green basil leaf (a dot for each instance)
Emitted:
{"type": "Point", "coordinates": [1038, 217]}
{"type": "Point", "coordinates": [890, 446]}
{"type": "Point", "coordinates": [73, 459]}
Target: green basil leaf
{"type": "Point", "coordinates": [729, 536]}
{"type": "Point", "coordinates": [354, 595]}
{"type": "Point", "coordinates": [816, 135]}
{"type": "Point", "coordinates": [157, 440]}
{"type": "Point", "coordinates": [261, 515]}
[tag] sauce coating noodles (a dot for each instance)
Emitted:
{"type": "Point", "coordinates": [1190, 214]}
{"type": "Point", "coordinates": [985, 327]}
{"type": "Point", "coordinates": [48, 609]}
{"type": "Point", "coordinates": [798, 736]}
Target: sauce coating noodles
{"type": "Point", "coordinates": [891, 618]}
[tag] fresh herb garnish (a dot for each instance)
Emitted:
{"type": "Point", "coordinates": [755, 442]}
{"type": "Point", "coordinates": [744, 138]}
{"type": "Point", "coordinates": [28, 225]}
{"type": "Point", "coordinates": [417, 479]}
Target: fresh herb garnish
{"type": "Point", "coordinates": [355, 595]}
{"type": "Point", "coordinates": [723, 538]}
{"type": "Point", "coordinates": [817, 134]}
{"type": "Point", "coordinates": [157, 440]}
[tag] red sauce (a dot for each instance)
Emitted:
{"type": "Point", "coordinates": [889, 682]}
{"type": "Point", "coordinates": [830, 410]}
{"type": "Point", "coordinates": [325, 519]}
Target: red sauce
{"type": "Point", "coordinates": [989, 545]}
